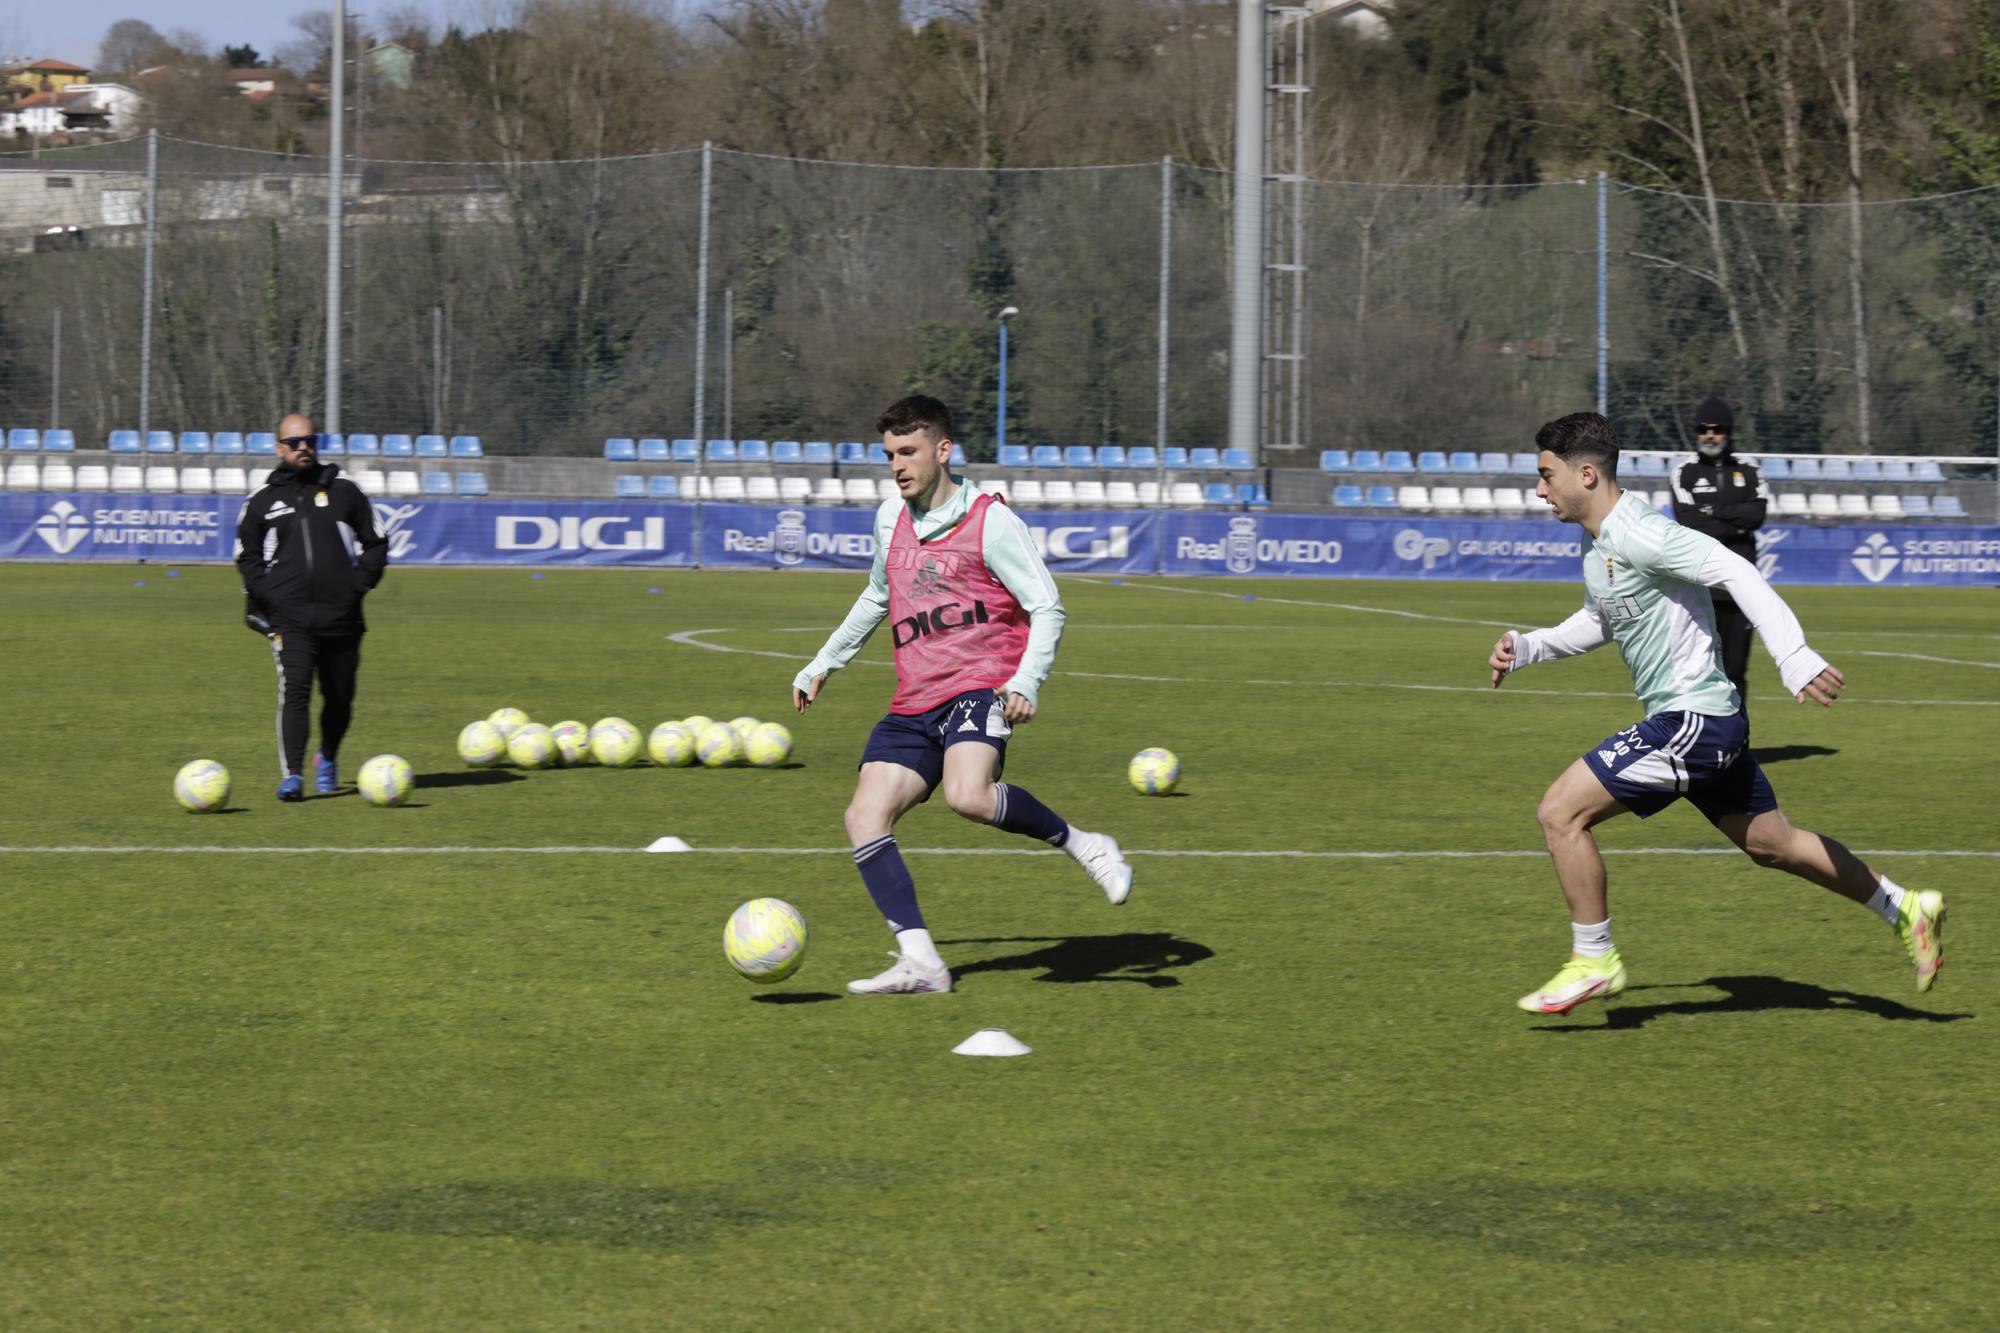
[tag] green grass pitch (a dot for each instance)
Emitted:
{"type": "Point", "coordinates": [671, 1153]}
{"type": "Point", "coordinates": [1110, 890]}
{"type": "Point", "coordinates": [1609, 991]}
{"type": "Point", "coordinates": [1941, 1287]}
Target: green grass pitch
{"type": "Point", "coordinates": [485, 1089]}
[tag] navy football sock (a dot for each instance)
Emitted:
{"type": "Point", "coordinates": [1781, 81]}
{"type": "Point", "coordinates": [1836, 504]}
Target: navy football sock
{"type": "Point", "coordinates": [889, 883]}
{"type": "Point", "coordinates": [1017, 811]}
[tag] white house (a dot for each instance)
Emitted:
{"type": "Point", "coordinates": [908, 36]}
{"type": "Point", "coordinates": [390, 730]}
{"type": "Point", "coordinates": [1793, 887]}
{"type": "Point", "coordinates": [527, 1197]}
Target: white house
{"type": "Point", "coordinates": [81, 108]}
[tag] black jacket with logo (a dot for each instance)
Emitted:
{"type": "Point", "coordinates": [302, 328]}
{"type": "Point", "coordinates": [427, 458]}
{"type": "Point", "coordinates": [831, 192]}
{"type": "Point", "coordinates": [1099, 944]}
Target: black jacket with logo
{"type": "Point", "coordinates": [1723, 497]}
{"type": "Point", "coordinates": [324, 551]}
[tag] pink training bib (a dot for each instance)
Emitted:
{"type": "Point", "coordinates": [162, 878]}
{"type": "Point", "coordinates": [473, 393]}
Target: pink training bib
{"type": "Point", "coordinates": [956, 627]}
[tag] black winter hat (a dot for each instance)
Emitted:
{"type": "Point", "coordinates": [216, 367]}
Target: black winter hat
{"type": "Point", "coordinates": [1714, 412]}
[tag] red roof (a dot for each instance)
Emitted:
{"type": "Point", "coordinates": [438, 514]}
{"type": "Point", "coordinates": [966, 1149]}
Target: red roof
{"type": "Point", "coordinates": [49, 67]}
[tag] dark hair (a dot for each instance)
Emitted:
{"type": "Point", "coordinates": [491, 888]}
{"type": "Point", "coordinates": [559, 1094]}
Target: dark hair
{"type": "Point", "coordinates": [917, 412]}
{"type": "Point", "coordinates": [1582, 437]}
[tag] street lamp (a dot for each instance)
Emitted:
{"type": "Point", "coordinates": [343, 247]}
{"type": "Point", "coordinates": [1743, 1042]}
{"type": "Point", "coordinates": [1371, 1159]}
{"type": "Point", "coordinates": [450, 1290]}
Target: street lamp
{"type": "Point", "coordinates": [1000, 430]}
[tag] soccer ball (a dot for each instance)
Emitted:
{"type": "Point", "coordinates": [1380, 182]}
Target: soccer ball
{"type": "Point", "coordinates": [671, 745]}
{"type": "Point", "coordinates": [697, 724]}
{"type": "Point", "coordinates": [1154, 772]}
{"type": "Point", "coordinates": [743, 726]}
{"type": "Point", "coordinates": [509, 720]}
{"type": "Point", "coordinates": [614, 743]}
{"type": "Point", "coordinates": [385, 780]}
{"type": "Point", "coordinates": [532, 746]}
{"type": "Point", "coordinates": [482, 744]}
{"type": "Point", "coordinates": [719, 746]}
{"type": "Point", "coordinates": [768, 745]}
{"type": "Point", "coordinates": [202, 786]}
{"type": "Point", "coordinates": [765, 939]}
{"type": "Point", "coordinates": [572, 743]}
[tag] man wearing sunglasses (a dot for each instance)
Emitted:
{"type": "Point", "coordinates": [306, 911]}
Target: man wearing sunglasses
{"type": "Point", "coordinates": [309, 552]}
{"type": "Point", "coordinates": [1725, 497]}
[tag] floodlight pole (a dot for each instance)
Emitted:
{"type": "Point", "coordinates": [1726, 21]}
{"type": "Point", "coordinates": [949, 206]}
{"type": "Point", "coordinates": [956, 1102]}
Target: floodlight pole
{"type": "Point", "coordinates": [701, 342]}
{"type": "Point", "coordinates": [146, 284]}
{"type": "Point", "coordinates": [330, 409]}
{"type": "Point", "coordinates": [1246, 283]}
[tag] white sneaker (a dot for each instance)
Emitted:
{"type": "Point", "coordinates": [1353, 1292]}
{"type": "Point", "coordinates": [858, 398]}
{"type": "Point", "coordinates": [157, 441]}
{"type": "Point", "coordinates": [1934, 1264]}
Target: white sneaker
{"type": "Point", "coordinates": [1098, 853]}
{"type": "Point", "coordinates": [905, 977]}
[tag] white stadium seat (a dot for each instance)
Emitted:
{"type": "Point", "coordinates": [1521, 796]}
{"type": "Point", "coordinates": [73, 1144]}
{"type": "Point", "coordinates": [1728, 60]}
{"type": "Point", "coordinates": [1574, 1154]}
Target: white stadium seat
{"type": "Point", "coordinates": [1059, 492]}
{"type": "Point", "coordinates": [1447, 499]}
{"type": "Point", "coordinates": [999, 486]}
{"type": "Point", "coordinates": [1509, 500]}
{"type": "Point", "coordinates": [1479, 498]}
{"type": "Point", "coordinates": [1120, 493]}
{"type": "Point", "coordinates": [1821, 504]}
{"type": "Point", "coordinates": [58, 477]}
{"type": "Point", "coordinates": [162, 480]}
{"type": "Point", "coordinates": [197, 481]}
{"type": "Point", "coordinates": [93, 477]}
{"type": "Point", "coordinates": [1885, 506]}
{"type": "Point", "coordinates": [827, 491]}
{"type": "Point", "coordinates": [372, 481]}
{"type": "Point", "coordinates": [232, 481]}
{"type": "Point", "coordinates": [886, 489]}
{"type": "Point", "coordinates": [1149, 492]}
{"type": "Point", "coordinates": [1792, 505]}
{"type": "Point", "coordinates": [125, 477]}
{"type": "Point", "coordinates": [23, 477]}
{"type": "Point", "coordinates": [1854, 506]}
{"type": "Point", "coordinates": [760, 490]}
{"type": "Point", "coordinates": [859, 490]}
{"type": "Point", "coordinates": [795, 490]}
{"type": "Point", "coordinates": [1027, 491]}
{"type": "Point", "coordinates": [1090, 493]}
{"type": "Point", "coordinates": [729, 486]}
{"type": "Point", "coordinates": [1412, 497]}
{"type": "Point", "coordinates": [404, 482]}
{"type": "Point", "coordinates": [1184, 495]}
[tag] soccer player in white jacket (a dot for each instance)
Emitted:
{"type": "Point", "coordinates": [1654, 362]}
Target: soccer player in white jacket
{"type": "Point", "coordinates": [1648, 581]}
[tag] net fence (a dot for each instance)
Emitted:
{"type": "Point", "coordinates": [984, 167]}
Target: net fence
{"type": "Point", "coordinates": [547, 306]}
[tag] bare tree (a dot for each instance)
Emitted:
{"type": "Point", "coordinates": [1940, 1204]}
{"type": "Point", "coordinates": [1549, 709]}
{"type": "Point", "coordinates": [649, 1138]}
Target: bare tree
{"type": "Point", "coordinates": [128, 46]}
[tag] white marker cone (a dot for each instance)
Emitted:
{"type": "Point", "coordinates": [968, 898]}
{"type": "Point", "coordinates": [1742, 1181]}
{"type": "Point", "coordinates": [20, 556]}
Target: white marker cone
{"type": "Point", "coordinates": [991, 1041]}
{"type": "Point", "coordinates": [668, 844]}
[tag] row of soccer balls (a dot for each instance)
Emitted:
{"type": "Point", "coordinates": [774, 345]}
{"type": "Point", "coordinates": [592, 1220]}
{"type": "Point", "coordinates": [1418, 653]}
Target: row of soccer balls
{"type": "Point", "coordinates": [203, 785]}
{"type": "Point", "coordinates": [614, 743]}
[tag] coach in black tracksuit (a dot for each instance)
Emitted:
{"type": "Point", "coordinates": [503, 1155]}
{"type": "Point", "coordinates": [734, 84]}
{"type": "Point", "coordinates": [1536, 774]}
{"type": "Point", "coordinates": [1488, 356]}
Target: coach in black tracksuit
{"type": "Point", "coordinates": [309, 552]}
{"type": "Point", "coordinates": [1723, 496]}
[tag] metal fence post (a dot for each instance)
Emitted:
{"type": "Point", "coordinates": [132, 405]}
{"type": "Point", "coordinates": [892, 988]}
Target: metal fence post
{"type": "Point", "coordinates": [55, 372]}
{"type": "Point", "coordinates": [701, 343]}
{"type": "Point", "coordinates": [146, 284]}
{"type": "Point", "coordinates": [1603, 296]}
{"type": "Point", "coordinates": [330, 409]}
{"type": "Point", "coordinates": [1160, 387]}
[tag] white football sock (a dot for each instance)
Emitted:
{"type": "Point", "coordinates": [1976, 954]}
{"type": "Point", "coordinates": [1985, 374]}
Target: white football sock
{"type": "Point", "coordinates": [1888, 900]}
{"type": "Point", "coordinates": [1591, 941]}
{"type": "Point", "coordinates": [916, 945]}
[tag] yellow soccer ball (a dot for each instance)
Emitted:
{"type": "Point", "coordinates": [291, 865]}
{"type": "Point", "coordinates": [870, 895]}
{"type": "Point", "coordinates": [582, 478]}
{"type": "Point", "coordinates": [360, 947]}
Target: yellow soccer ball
{"type": "Point", "coordinates": [697, 724]}
{"type": "Point", "coordinates": [482, 744]}
{"type": "Point", "coordinates": [743, 726]}
{"type": "Point", "coordinates": [509, 720]}
{"type": "Point", "coordinates": [671, 745]}
{"type": "Point", "coordinates": [532, 746]}
{"type": "Point", "coordinates": [615, 743]}
{"type": "Point", "coordinates": [1154, 772]}
{"type": "Point", "coordinates": [386, 780]}
{"type": "Point", "coordinates": [572, 743]}
{"type": "Point", "coordinates": [765, 940]}
{"type": "Point", "coordinates": [202, 786]}
{"type": "Point", "coordinates": [768, 745]}
{"type": "Point", "coordinates": [718, 746]}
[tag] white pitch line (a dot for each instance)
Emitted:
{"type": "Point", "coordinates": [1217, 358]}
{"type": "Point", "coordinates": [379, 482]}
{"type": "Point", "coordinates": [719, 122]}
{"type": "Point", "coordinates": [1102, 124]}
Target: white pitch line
{"type": "Point", "coordinates": [1249, 854]}
{"type": "Point", "coordinates": [1297, 601]}
{"type": "Point", "coordinates": [1926, 657]}
{"type": "Point", "coordinates": [689, 638]}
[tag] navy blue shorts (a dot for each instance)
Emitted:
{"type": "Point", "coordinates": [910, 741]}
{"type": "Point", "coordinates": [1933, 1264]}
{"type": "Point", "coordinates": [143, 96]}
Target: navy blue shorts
{"type": "Point", "coordinates": [1675, 755]}
{"type": "Point", "coordinates": [918, 741]}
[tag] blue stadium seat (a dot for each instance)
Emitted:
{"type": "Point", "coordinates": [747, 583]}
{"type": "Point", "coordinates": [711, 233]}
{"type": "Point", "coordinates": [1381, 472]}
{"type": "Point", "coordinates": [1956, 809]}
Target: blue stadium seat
{"type": "Point", "coordinates": [1776, 469]}
{"type": "Point", "coordinates": [957, 454]}
{"type": "Point", "coordinates": [472, 483]}
{"type": "Point", "coordinates": [260, 442]}
{"type": "Point", "coordinates": [1111, 455]}
{"type": "Point", "coordinates": [1175, 457]}
{"type": "Point", "coordinates": [653, 449]}
{"type": "Point", "coordinates": [1926, 469]}
{"type": "Point", "coordinates": [787, 451]}
{"type": "Point", "coordinates": [331, 445]}
{"type": "Point", "coordinates": [876, 453]}
{"type": "Point", "coordinates": [1218, 493]}
{"type": "Point", "coordinates": [1349, 497]}
{"type": "Point", "coordinates": [437, 483]}
{"type": "Point", "coordinates": [1464, 460]}
{"type": "Point", "coordinates": [1079, 455]}
{"type": "Point", "coordinates": [1836, 469]}
{"type": "Point", "coordinates": [467, 446]}
{"type": "Point", "coordinates": [1432, 460]}
{"type": "Point", "coordinates": [358, 446]}
{"type": "Point", "coordinates": [1252, 494]}
{"type": "Point", "coordinates": [818, 451]}
{"type": "Point", "coordinates": [629, 486]}
{"type": "Point", "coordinates": [1048, 455]}
{"type": "Point", "coordinates": [1335, 460]}
{"type": "Point", "coordinates": [664, 486]}
{"type": "Point", "coordinates": [1805, 469]}
{"type": "Point", "coordinates": [722, 451]}
{"type": "Point", "coordinates": [123, 442]}
{"type": "Point", "coordinates": [59, 441]}
{"type": "Point", "coordinates": [850, 451]}
{"type": "Point", "coordinates": [1493, 464]}
{"type": "Point", "coordinates": [1205, 458]}
{"type": "Point", "coordinates": [620, 449]}
{"type": "Point", "coordinates": [1398, 460]}
{"type": "Point", "coordinates": [1237, 460]}
{"type": "Point", "coordinates": [1381, 497]}
{"type": "Point", "coordinates": [753, 451]}
{"type": "Point", "coordinates": [1917, 506]}
{"type": "Point", "coordinates": [1649, 465]}
{"type": "Point", "coordinates": [1367, 460]}
{"type": "Point", "coordinates": [1893, 469]}
{"type": "Point", "coordinates": [398, 446]}
{"type": "Point", "coordinates": [22, 439]}
{"type": "Point", "coordinates": [1947, 506]}
{"type": "Point", "coordinates": [432, 446]}
{"type": "Point", "coordinates": [1867, 469]}
{"type": "Point", "coordinates": [1524, 465]}
{"type": "Point", "coordinates": [684, 451]}
{"type": "Point", "coordinates": [1142, 456]}
{"type": "Point", "coordinates": [227, 442]}
{"type": "Point", "coordinates": [1013, 455]}
{"type": "Point", "coordinates": [159, 441]}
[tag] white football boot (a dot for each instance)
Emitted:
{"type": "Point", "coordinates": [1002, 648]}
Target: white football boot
{"type": "Point", "coordinates": [906, 976]}
{"type": "Point", "coordinates": [1098, 853]}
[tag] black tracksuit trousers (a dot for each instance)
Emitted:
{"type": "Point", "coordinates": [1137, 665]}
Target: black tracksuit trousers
{"type": "Point", "coordinates": [336, 660]}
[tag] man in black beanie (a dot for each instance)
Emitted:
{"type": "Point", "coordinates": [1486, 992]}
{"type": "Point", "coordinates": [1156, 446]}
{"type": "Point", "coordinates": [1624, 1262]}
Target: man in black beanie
{"type": "Point", "coordinates": [1719, 494]}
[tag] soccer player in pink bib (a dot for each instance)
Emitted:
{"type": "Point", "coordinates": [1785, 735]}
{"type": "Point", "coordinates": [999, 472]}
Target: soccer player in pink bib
{"type": "Point", "coordinates": [976, 619]}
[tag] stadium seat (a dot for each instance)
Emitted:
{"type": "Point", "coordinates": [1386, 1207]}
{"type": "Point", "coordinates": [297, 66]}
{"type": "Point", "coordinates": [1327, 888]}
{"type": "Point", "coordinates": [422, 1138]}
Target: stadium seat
{"type": "Point", "coordinates": [1448, 499]}
{"type": "Point", "coordinates": [1381, 497]}
{"type": "Point", "coordinates": [1649, 465]}
{"type": "Point", "coordinates": [818, 451]}
{"type": "Point", "coordinates": [1091, 493]}
{"type": "Point", "coordinates": [1047, 455]}
{"type": "Point", "coordinates": [467, 446]}
{"type": "Point", "coordinates": [372, 481]}
{"type": "Point", "coordinates": [1432, 460]}
{"type": "Point", "coordinates": [1120, 494]}
{"type": "Point", "coordinates": [1205, 458]}
{"type": "Point", "coordinates": [1218, 493]}
{"type": "Point", "coordinates": [260, 442]}
{"type": "Point", "coordinates": [1398, 460]}
{"type": "Point", "coordinates": [1142, 456]}
{"type": "Point", "coordinates": [123, 442]}
{"type": "Point", "coordinates": [432, 446]}
{"type": "Point", "coordinates": [885, 489]}
{"type": "Point", "coordinates": [1014, 455]}
{"type": "Point", "coordinates": [795, 490]}
{"type": "Point", "coordinates": [1867, 469]}
{"type": "Point", "coordinates": [367, 446]}
{"type": "Point", "coordinates": [1509, 500]}
{"type": "Point", "coordinates": [436, 483]}
{"type": "Point", "coordinates": [1026, 491]}
{"type": "Point", "coordinates": [59, 441]}
{"type": "Point", "coordinates": [1836, 469]}
{"type": "Point", "coordinates": [652, 449]}
{"type": "Point", "coordinates": [1926, 469]}
{"type": "Point", "coordinates": [1853, 506]}
{"type": "Point", "coordinates": [398, 446]}
{"type": "Point", "coordinates": [684, 451]}
{"type": "Point", "coordinates": [666, 486]}
{"type": "Point", "coordinates": [124, 477]}
{"type": "Point", "coordinates": [226, 442]}
{"type": "Point", "coordinates": [471, 483]}
{"type": "Point", "coordinates": [1367, 460]}
{"type": "Point", "coordinates": [850, 451]}
{"type": "Point", "coordinates": [722, 451]}
{"type": "Point", "coordinates": [1465, 462]}
{"type": "Point", "coordinates": [62, 477]}
{"type": "Point", "coordinates": [1414, 498]}
{"type": "Point", "coordinates": [753, 451]}
{"type": "Point", "coordinates": [22, 439]}
{"type": "Point", "coordinates": [1111, 455]}
{"type": "Point", "coordinates": [1774, 469]}
{"type": "Point", "coordinates": [1478, 499]}
{"type": "Point", "coordinates": [1335, 460]}
{"type": "Point", "coordinates": [827, 491]}
{"type": "Point", "coordinates": [1149, 493]}
{"type": "Point", "coordinates": [1079, 455]}
{"type": "Point", "coordinates": [1237, 460]}
{"type": "Point", "coordinates": [1252, 493]}
{"type": "Point", "coordinates": [1822, 504]}
{"type": "Point", "coordinates": [1059, 492]}
{"type": "Point", "coordinates": [874, 453]}
{"type": "Point", "coordinates": [1947, 506]}
{"type": "Point", "coordinates": [23, 477]}
{"type": "Point", "coordinates": [194, 442]}
{"type": "Point", "coordinates": [729, 487]}
{"type": "Point", "coordinates": [330, 446]}
{"type": "Point", "coordinates": [1174, 458]}
{"type": "Point", "coordinates": [1349, 497]}
{"type": "Point", "coordinates": [1805, 469]}
{"type": "Point", "coordinates": [627, 486]}
{"type": "Point", "coordinates": [232, 481]}
{"type": "Point", "coordinates": [1493, 464]}
{"type": "Point", "coordinates": [697, 488]}
{"type": "Point", "coordinates": [97, 477]}
{"type": "Point", "coordinates": [859, 490]}
{"type": "Point", "coordinates": [621, 449]}
{"type": "Point", "coordinates": [1523, 465]}
{"type": "Point", "coordinates": [999, 486]}
{"type": "Point", "coordinates": [1792, 505]}
{"type": "Point", "coordinates": [159, 441]}
{"type": "Point", "coordinates": [1895, 469]}
{"type": "Point", "coordinates": [787, 451]}
{"type": "Point", "coordinates": [162, 479]}
{"type": "Point", "coordinates": [1885, 505]}
{"type": "Point", "coordinates": [761, 490]}
{"type": "Point", "coordinates": [958, 458]}
{"type": "Point", "coordinates": [1916, 506]}
{"type": "Point", "coordinates": [1184, 495]}
{"type": "Point", "coordinates": [404, 483]}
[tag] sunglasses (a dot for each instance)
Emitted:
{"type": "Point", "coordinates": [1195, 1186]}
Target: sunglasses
{"type": "Point", "coordinates": [301, 441]}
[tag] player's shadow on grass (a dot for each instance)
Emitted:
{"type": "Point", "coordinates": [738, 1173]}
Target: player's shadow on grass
{"type": "Point", "coordinates": [1140, 956]}
{"type": "Point", "coordinates": [1751, 995]}
{"type": "Point", "coordinates": [794, 997]}
{"type": "Point", "coordinates": [472, 777]}
{"type": "Point", "coordinates": [1778, 754]}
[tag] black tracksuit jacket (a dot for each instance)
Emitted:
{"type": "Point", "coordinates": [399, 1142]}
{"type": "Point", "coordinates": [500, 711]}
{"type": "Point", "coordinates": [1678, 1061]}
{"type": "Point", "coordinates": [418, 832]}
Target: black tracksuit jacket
{"type": "Point", "coordinates": [1725, 498]}
{"type": "Point", "coordinates": [317, 573]}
